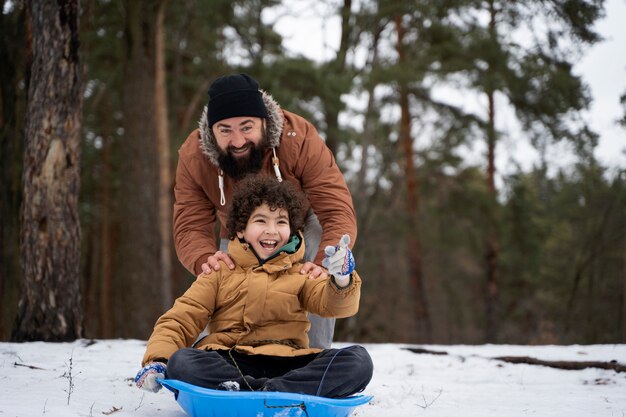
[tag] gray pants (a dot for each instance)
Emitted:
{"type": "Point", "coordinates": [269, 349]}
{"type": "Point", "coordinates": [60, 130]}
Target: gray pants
{"type": "Point", "coordinates": [334, 373]}
{"type": "Point", "coordinates": [322, 329]}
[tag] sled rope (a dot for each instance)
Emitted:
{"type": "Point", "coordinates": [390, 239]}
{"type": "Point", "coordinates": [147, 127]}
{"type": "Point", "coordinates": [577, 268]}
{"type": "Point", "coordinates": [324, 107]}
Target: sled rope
{"type": "Point", "coordinates": [319, 387]}
{"type": "Point", "coordinates": [259, 343]}
{"type": "Point", "coordinates": [230, 353]}
{"type": "Point", "coordinates": [282, 342]}
{"type": "Point", "coordinates": [301, 406]}
{"type": "Point", "coordinates": [272, 342]}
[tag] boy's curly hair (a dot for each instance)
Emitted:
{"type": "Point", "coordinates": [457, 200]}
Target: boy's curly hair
{"type": "Point", "coordinates": [254, 190]}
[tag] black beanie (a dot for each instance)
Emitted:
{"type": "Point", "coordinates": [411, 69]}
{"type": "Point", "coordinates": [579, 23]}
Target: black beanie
{"type": "Point", "coordinates": [233, 96]}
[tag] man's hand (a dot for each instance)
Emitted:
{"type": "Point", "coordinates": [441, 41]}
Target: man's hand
{"type": "Point", "coordinates": [313, 271]}
{"type": "Point", "coordinates": [339, 261]}
{"type": "Point", "coordinates": [146, 378]}
{"type": "Point", "coordinates": [213, 264]}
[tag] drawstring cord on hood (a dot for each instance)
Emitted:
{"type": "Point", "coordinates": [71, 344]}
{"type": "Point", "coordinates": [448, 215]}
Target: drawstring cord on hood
{"type": "Point", "coordinates": [220, 177]}
{"type": "Point", "coordinates": [220, 180]}
{"type": "Point", "coordinates": [276, 170]}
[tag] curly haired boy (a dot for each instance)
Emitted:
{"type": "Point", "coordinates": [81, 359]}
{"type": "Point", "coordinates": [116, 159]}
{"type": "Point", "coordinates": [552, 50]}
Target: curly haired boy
{"type": "Point", "coordinates": [257, 313]}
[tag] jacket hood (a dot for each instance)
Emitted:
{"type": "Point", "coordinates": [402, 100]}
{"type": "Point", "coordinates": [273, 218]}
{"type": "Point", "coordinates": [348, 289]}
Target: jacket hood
{"type": "Point", "coordinates": [273, 124]}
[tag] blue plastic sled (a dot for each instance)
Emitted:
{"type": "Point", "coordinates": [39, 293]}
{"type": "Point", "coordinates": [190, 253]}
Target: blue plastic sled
{"type": "Point", "coordinates": [205, 402]}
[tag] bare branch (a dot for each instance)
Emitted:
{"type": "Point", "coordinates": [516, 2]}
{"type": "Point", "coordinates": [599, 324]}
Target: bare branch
{"type": "Point", "coordinates": [111, 411]}
{"type": "Point", "coordinates": [566, 365]}
{"type": "Point", "coordinates": [431, 402]}
{"type": "Point", "coordinates": [28, 366]}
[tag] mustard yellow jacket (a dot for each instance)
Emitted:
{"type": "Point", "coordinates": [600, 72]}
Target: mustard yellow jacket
{"type": "Point", "coordinates": [256, 309]}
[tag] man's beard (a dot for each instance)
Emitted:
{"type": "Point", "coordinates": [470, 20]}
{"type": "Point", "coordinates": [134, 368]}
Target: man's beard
{"type": "Point", "coordinates": [238, 168]}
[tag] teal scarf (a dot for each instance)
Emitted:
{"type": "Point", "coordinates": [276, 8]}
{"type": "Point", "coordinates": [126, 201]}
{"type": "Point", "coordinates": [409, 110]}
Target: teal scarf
{"type": "Point", "coordinates": [290, 247]}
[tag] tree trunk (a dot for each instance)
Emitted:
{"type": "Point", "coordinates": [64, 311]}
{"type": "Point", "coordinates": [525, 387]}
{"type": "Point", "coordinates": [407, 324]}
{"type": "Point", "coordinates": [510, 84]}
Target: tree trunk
{"type": "Point", "coordinates": [50, 308]}
{"type": "Point", "coordinates": [491, 239]}
{"type": "Point", "coordinates": [360, 193]}
{"type": "Point", "coordinates": [13, 52]}
{"type": "Point", "coordinates": [106, 246]}
{"type": "Point", "coordinates": [137, 286]}
{"type": "Point", "coordinates": [414, 250]}
{"type": "Point", "coordinates": [337, 68]}
{"type": "Point", "coordinates": [165, 174]}
{"type": "Point", "coordinates": [90, 279]}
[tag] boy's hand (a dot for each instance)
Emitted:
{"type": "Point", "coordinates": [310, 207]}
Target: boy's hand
{"type": "Point", "coordinates": [146, 378]}
{"type": "Point", "coordinates": [339, 261]}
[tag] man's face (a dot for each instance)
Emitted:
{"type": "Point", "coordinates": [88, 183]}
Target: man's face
{"type": "Point", "coordinates": [241, 145]}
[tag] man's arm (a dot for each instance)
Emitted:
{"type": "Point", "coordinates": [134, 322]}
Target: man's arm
{"type": "Point", "coordinates": [194, 221]}
{"type": "Point", "coordinates": [326, 190]}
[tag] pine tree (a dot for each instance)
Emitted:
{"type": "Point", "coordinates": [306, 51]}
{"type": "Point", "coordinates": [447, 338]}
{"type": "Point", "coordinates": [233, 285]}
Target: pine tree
{"type": "Point", "coordinates": [536, 79]}
{"type": "Point", "coordinates": [137, 259]}
{"type": "Point", "coordinates": [50, 307]}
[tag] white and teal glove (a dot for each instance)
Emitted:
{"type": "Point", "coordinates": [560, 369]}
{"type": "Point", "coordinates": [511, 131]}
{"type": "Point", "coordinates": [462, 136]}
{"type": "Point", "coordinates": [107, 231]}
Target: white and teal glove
{"type": "Point", "coordinates": [339, 261]}
{"type": "Point", "coordinates": [146, 378]}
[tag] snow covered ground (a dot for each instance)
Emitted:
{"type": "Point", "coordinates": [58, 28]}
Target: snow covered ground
{"type": "Point", "coordinates": [35, 381]}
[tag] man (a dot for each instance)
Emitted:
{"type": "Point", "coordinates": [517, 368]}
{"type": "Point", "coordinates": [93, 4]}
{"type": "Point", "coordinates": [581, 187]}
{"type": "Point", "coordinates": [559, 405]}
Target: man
{"type": "Point", "coordinates": [244, 131]}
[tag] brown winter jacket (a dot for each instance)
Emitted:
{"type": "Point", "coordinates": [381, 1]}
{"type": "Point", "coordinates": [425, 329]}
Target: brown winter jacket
{"type": "Point", "coordinates": [304, 160]}
{"type": "Point", "coordinates": [258, 309]}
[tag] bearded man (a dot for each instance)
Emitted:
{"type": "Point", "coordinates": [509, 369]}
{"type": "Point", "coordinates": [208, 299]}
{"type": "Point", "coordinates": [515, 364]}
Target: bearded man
{"type": "Point", "coordinates": [243, 131]}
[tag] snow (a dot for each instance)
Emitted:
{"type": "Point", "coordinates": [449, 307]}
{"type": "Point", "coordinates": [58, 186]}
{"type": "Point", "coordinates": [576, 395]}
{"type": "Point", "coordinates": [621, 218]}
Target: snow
{"type": "Point", "coordinates": [35, 381]}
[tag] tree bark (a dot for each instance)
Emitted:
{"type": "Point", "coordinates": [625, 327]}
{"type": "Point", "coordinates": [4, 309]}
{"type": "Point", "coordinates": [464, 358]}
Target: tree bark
{"type": "Point", "coordinates": [106, 246]}
{"type": "Point", "coordinates": [137, 286]}
{"type": "Point", "coordinates": [50, 308]}
{"type": "Point", "coordinates": [414, 250]}
{"type": "Point", "coordinates": [14, 51]}
{"type": "Point", "coordinates": [165, 174]}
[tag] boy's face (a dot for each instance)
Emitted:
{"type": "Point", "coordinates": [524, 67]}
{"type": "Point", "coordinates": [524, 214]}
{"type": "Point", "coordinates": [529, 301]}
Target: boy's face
{"type": "Point", "coordinates": [267, 230]}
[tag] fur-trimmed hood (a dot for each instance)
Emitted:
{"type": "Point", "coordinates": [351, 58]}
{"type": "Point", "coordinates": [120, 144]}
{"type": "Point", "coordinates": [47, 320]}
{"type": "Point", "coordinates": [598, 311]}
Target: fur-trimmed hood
{"type": "Point", "coordinates": [274, 128]}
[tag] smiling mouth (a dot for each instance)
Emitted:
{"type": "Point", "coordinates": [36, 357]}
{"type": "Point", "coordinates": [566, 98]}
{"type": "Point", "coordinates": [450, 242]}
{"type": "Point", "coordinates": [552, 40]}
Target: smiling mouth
{"type": "Point", "coordinates": [240, 151]}
{"type": "Point", "coordinates": [268, 244]}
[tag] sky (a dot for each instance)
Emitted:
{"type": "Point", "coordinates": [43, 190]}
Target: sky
{"type": "Point", "coordinates": [603, 68]}
{"type": "Point", "coordinates": [467, 382]}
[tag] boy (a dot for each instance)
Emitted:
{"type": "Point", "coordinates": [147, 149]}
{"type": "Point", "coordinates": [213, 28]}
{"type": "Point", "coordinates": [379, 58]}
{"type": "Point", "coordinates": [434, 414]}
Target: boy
{"type": "Point", "coordinates": [257, 312]}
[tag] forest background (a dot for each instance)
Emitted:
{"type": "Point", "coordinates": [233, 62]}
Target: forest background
{"type": "Point", "coordinates": [451, 250]}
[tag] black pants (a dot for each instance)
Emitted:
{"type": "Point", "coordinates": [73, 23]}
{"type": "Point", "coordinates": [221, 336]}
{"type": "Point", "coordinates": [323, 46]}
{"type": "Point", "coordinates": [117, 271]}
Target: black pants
{"type": "Point", "coordinates": [331, 373]}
